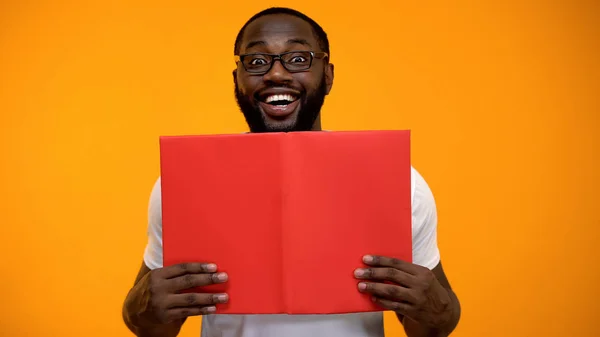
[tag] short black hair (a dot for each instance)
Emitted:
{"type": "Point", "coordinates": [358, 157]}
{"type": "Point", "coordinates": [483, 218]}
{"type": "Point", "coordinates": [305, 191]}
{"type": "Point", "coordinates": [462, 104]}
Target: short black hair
{"type": "Point", "coordinates": [319, 32]}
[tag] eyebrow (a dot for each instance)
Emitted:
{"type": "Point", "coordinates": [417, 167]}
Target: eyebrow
{"type": "Point", "coordinates": [290, 41]}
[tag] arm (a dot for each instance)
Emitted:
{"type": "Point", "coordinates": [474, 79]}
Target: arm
{"type": "Point", "coordinates": [425, 307]}
{"type": "Point", "coordinates": [419, 292]}
{"type": "Point", "coordinates": [415, 329]}
{"type": "Point", "coordinates": [134, 302]}
{"type": "Point", "coordinates": [426, 254]}
{"type": "Point", "coordinates": [157, 305]}
{"type": "Point", "coordinates": [134, 305]}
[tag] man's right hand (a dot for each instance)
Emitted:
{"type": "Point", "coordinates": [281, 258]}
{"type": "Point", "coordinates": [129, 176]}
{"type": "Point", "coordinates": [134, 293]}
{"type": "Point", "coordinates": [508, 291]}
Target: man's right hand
{"type": "Point", "coordinates": [157, 299]}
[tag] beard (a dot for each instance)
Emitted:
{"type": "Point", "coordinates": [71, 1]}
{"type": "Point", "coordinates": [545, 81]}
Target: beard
{"type": "Point", "coordinates": [310, 108]}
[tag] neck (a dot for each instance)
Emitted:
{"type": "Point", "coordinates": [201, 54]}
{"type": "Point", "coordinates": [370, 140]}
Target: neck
{"type": "Point", "coordinates": [317, 124]}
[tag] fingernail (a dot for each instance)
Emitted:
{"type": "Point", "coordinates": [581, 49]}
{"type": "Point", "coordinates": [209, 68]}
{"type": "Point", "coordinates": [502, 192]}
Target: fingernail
{"type": "Point", "coordinates": [362, 286]}
{"type": "Point", "coordinates": [359, 272]}
{"type": "Point", "coordinates": [222, 298]}
{"type": "Point", "coordinates": [211, 267]}
{"type": "Point", "coordinates": [222, 277]}
{"type": "Point", "coordinates": [368, 259]}
{"type": "Point", "coordinates": [211, 309]}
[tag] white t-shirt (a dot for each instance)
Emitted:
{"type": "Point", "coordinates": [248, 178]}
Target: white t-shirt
{"type": "Point", "coordinates": [425, 253]}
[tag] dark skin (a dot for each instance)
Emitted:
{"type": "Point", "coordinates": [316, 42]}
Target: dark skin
{"type": "Point", "coordinates": [155, 306]}
{"type": "Point", "coordinates": [422, 299]}
{"type": "Point", "coordinates": [274, 34]}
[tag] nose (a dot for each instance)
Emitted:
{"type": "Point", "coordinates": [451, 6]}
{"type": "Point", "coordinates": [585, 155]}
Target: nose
{"type": "Point", "coordinates": [277, 73]}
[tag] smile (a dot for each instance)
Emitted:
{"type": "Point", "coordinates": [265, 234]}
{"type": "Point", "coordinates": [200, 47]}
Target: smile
{"type": "Point", "coordinates": [279, 105]}
{"type": "Point", "coordinates": [280, 99]}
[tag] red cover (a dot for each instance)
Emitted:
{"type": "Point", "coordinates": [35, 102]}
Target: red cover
{"type": "Point", "coordinates": [287, 215]}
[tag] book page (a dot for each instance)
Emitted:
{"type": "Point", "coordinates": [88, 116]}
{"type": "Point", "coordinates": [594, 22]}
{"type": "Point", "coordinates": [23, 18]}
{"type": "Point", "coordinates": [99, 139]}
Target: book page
{"type": "Point", "coordinates": [222, 203]}
{"type": "Point", "coordinates": [348, 195]}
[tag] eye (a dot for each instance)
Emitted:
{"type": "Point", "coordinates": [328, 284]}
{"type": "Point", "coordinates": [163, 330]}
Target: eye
{"type": "Point", "coordinates": [258, 62]}
{"type": "Point", "coordinates": [296, 59]}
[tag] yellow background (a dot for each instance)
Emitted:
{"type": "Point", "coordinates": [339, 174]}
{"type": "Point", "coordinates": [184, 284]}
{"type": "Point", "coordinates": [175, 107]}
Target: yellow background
{"type": "Point", "coordinates": [502, 98]}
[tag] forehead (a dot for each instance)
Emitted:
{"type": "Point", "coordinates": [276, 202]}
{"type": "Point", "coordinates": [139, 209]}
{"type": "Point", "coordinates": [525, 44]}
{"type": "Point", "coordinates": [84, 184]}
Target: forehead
{"type": "Point", "coordinates": [277, 32]}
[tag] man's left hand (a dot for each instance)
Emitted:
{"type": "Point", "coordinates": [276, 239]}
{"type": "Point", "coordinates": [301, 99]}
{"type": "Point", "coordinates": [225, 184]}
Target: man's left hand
{"type": "Point", "coordinates": [409, 289]}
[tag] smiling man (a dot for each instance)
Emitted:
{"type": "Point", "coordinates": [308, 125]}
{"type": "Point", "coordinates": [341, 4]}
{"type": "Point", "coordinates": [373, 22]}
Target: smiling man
{"type": "Point", "coordinates": [283, 72]}
{"type": "Point", "coordinates": [282, 77]}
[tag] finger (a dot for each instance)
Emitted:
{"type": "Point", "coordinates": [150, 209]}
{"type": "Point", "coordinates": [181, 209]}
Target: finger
{"type": "Point", "coordinates": [187, 268]}
{"type": "Point", "coordinates": [403, 309]}
{"type": "Point", "coordinates": [388, 291]}
{"type": "Point", "coordinates": [384, 261]}
{"type": "Point", "coordinates": [194, 299]}
{"type": "Point", "coordinates": [179, 313]}
{"type": "Point", "coordinates": [386, 274]}
{"type": "Point", "coordinates": [189, 281]}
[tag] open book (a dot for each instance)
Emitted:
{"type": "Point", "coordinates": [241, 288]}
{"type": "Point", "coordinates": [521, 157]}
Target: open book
{"type": "Point", "coordinates": [288, 216]}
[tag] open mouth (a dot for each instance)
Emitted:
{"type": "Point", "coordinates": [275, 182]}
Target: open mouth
{"type": "Point", "coordinates": [279, 105]}
{"type": "Point", "coordinates": [280, 100]}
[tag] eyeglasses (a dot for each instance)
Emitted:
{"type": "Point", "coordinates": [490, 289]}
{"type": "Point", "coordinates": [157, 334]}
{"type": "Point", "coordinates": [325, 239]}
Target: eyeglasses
{"type": "Point", "coordinates": [293, 61]}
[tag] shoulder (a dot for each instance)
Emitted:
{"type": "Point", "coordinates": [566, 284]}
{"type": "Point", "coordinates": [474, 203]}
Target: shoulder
{"type": "Point", "coordinates": [422, 198]}
{"type": "Point", "coordinates": [155, 204]}
{"type": "Point", "coordinates": [155, 194]}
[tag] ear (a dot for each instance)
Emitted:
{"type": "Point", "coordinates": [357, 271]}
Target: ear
{"type": "Point", "coordinates": [329, 77]}
{"type": "Point", "coordinates": [234, 73]}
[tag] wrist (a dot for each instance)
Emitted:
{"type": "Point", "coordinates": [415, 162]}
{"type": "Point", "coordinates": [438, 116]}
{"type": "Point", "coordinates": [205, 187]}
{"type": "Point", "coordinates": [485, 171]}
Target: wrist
{"type": "Point", "coordinates": [450, 317]}
{"type": "Point", "coordinates": [454, 313]}
{"type": "Point", "coordinates": [142, 327]}
{"type": "Point", "coordinates": [145, 328]}
{"type": "Point", "coordinates": [442, 325]}
{"type": "Point", "coordinates": [413, 328]}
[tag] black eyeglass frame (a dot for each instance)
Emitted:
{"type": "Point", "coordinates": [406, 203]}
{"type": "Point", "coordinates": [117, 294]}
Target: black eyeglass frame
{"type": "Point", "coordinates": [275, 57]}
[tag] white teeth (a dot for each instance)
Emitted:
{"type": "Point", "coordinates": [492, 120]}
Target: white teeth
{"type": "Point", "coordinates": [274, 98]}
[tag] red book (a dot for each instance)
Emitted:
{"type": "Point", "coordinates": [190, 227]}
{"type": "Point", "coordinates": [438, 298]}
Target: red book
{"type": "Point", "coordinates": [288, 216]}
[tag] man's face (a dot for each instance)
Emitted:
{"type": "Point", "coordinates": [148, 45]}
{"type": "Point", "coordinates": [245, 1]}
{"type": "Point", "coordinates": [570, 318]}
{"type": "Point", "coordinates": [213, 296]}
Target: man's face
{"type": "Point", "coordinates": [281, 100]}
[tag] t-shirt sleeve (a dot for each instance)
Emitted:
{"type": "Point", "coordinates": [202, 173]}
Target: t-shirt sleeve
{"type": "Point", "coordinates": [153, 254]}
{"type": "Point", "coordinates": [424, 226]}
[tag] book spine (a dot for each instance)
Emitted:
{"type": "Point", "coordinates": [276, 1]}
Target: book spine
{"type": "Point", "coordinates": [284, 190]}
